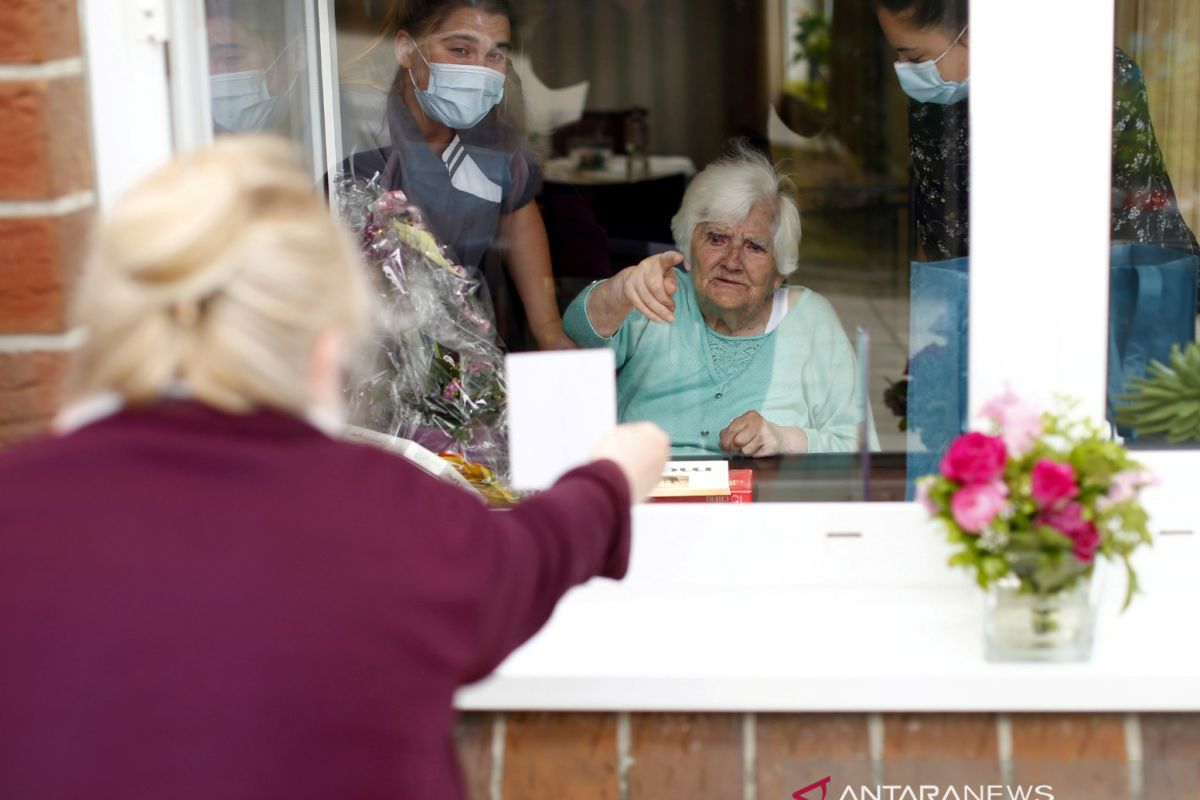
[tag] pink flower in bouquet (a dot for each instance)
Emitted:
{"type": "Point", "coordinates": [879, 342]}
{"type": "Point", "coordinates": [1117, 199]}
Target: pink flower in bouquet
{"type": "Point", "coordinates": [1125, 486]}
{"type": "Point", "coordinates": [1069, 521]}
{"type": "Point", "coordinates": [974, 458]}
{"type": "Point", "coordinates": [974, 506]}
{"type": "Point", "coordinates": [1087, 542]}
{"type": "Point", "coordinates": [1053, 483]}
{"type": "Point", "coordinates": [1020, 423]}
{"type": "Point", "coordinates": [924, 486]}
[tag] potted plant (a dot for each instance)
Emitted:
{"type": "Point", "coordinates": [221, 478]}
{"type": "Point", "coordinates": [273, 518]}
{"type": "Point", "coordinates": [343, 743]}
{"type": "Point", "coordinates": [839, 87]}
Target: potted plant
{"type": "Point", "coordinates": [1166, 401]}
{"type": "Point", "coordinates": [1029, 505]}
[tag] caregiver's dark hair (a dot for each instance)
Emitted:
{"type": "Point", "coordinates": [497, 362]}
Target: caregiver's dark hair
{"type": "Point", "coordinates": [949, 14]}
{"type": "Point", "coordinates": [421, 17]}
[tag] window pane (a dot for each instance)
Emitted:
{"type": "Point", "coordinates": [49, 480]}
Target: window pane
{"type": "Point", "coordinates": [260, 58]}
{"type": "Point", "coordinates": [1155, 256]}
{"type": "Point", "coordinates": [612, 110]}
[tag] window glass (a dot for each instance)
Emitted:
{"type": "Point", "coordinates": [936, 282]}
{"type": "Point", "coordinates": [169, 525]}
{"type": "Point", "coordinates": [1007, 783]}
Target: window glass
{"type": "Point", "coordinates": [610, 117]}
{"type": "Point", "coordinates": [1155, 211]}
{"type": "Point", "coordinates": [260, 78]}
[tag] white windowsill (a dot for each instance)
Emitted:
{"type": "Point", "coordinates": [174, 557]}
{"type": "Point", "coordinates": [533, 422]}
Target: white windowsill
{"type": "Point", "coordinates": [757, 609]}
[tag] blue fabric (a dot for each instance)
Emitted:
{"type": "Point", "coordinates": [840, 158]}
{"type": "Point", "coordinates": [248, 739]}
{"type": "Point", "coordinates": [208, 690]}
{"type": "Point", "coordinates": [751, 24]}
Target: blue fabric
{"type": "Point", "coordinates": [937, 365]}
{"type": "Point", "coordinates": [1152, 306]}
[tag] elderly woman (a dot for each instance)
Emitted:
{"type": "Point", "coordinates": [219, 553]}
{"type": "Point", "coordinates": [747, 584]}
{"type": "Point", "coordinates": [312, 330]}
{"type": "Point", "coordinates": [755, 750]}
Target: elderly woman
{"type": "Point", "coordinates": [722, 355]}
{"type": "Point", "coordinates": [203, 594]}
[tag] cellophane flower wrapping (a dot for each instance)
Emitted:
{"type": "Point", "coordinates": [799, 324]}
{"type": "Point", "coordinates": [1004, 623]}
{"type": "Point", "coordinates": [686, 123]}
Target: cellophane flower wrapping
{"type": "Point", "coordinates": [436, 371]}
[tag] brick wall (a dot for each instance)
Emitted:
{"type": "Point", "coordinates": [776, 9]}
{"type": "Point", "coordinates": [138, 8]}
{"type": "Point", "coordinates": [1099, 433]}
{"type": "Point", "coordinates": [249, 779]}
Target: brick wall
{"type": "Point", "coordinates": [536, 756]}
{"type": "Point", "coordinates": [46, 203]}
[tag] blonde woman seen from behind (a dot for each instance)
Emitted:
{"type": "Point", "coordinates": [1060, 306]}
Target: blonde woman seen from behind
{"type": "Point", "coordinates": [204, 593]}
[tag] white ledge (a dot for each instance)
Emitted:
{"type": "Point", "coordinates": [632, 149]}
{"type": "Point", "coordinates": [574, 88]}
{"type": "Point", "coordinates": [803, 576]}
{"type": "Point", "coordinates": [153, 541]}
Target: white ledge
{"type": "Point", "coordinates": [756, 609]}
{"type": "Point", "coordinates": [58, 207]}
{"type": "Point", "coordinates": [45, 71]}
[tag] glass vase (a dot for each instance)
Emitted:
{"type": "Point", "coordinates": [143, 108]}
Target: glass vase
{"type": "Point", "coordinates": [1031, 627]}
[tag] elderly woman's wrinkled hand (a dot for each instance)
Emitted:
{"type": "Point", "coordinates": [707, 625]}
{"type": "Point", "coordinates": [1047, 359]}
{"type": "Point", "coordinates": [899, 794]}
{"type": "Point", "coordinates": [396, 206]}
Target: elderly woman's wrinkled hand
{"type": "Point", "coordinates": [752, 435]}
{"type": "Point", "coordinates": [650, 286]}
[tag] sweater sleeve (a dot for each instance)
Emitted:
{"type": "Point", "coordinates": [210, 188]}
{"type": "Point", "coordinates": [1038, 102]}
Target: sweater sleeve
{"type": "Point", "coordinates": [534, 553]}
{"type": "Point", "coordinates": [832, 390]}
{"type": "Point", "coordinates": [578, 325]}
{"type": "Point", "coordinates": [836, 428]}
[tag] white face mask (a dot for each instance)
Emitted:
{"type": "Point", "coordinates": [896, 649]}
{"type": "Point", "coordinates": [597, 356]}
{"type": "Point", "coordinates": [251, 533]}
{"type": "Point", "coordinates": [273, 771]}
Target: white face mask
{"type": "Point", "coordinates": [240, 100]}
{"type": "Point", "coordinates": [459, 95]}
{"type": "Point", "coordinates": [923, 83]}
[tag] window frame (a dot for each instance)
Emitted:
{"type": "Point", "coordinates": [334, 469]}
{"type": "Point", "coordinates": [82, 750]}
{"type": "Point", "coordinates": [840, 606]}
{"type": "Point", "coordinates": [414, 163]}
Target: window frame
{"type": "Point", "coordinates": [144, 90]}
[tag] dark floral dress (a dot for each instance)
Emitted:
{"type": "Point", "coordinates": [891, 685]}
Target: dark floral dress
{"type": "Point", "coordinates": [1144, 208]}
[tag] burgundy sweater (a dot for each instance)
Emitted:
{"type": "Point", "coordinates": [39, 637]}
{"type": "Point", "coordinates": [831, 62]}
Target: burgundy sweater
{"type": "Point", "coordinates": [202, 605]}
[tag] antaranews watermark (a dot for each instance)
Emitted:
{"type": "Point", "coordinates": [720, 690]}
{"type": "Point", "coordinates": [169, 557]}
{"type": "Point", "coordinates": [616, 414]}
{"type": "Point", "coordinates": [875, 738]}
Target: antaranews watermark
{"type": "Point", "coordinates": [994, 791]}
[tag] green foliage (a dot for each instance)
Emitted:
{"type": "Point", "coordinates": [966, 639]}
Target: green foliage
{"type": "Point", "coordinates": [814, 44]}
{"type": "Point", "coordinates": [1166, 402]}
{"type": "Point", "coordinates": [814, 39]}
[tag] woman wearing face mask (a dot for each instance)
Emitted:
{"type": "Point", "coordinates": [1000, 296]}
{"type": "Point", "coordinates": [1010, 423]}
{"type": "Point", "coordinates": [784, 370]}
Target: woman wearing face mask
{"type": "Point", "coordinates": [456, 152]}
{"type": "Point", "coordinates": [249, 88]}
{"type": "Point", "coordinates": [932, 40]}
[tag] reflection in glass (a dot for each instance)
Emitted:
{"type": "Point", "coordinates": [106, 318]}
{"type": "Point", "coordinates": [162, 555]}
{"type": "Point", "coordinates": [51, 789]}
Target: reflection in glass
{"type": "Point", "coordinates": [257, 60]}
{"type": "Point", "coordinates": [624, 101]}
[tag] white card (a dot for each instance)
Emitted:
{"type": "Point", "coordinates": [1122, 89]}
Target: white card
{"type": "Point", "coordinates": [560, 404]}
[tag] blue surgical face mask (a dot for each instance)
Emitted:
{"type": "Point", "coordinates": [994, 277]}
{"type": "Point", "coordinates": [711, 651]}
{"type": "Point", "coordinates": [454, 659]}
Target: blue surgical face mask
{"type": "Point", "coordinates": [923, 83]}
{"type": "Point", "coordinates": [459, 95]}
{"type": "Point", "coordinates": [241, 102]}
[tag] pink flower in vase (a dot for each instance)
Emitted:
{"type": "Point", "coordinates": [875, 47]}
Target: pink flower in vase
{"type": "Point", "coordinates": [924, 486]}
{"type": "Point", "coordinates": [974, 458]}
{"type": "Point", "coordinates": [1070, 522]}
{"type": "Point", "coordinates": [974, 506]}
{"type": "Point", "coordinates": [1087, 542]}
{"type": "Point", "coordinates": [1019, 422]}
{"type": "Point", "coordinates": [1052, 483]}
{"type": "Point", "coordinates": [1125, 486]}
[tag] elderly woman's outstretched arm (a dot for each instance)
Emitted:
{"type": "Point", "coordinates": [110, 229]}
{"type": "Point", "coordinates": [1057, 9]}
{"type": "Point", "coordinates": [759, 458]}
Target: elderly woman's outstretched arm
{"type": "Point", "coordinates": [648, 287]}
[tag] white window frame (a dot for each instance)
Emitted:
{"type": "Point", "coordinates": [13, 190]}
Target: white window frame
{"type": "Point", "coordinates": [1038, 294]}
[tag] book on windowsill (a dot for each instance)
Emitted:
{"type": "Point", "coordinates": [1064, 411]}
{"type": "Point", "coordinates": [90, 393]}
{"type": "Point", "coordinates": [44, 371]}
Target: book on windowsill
{"type": "Point", "coordinates": [703, 482]}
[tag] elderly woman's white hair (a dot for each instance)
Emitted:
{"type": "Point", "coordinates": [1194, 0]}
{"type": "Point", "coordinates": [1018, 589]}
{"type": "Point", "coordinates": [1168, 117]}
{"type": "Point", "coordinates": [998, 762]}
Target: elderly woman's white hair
{"type": "Point", "coordinates": [725, 192]}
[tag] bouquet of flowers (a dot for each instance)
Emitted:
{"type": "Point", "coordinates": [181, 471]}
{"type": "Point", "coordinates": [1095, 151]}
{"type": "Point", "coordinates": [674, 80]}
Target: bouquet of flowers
{"type": "Point", "coordinates": [1038, 496]}
{"type": "Point", "coordinates": [437, 373]}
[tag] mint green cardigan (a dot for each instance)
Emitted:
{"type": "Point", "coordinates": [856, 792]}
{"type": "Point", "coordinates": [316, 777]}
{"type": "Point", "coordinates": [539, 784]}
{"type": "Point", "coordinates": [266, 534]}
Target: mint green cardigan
{"type": "Point", "coordinates": [803, 373]}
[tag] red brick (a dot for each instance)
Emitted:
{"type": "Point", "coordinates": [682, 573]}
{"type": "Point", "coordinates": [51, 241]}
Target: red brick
{"type": "Point", "coordinates": [473, 740]}
{"type": "Point", "coordinates": [1171, 756]}
{"type": "Point", "coordinates": [40, 258]}
{"type": "Point", "coordinates": [796, 750]}
{"type": "Point", "coordinates": [29, 392]}
{"type": "Point", "coordinates": [46, 139]}
{"type": "Point", "coordinates": [692, 756]}
{"type": "Point", "coordinates": [946, 749]}
{"type": "Point", "coordinates": [557, 756]}
{"type": "Point", "coordinates": [32, 31]}
{"type": "Point", "coordinates": [1078, 755]}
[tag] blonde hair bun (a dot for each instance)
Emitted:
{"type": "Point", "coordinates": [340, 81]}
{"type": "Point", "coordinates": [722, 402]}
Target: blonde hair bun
{"type": "Point", "coordinates": [220, 269]}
